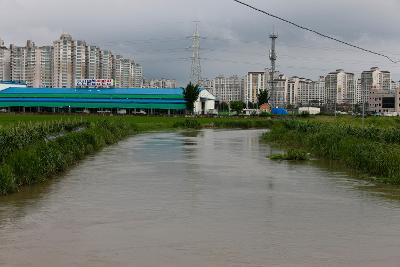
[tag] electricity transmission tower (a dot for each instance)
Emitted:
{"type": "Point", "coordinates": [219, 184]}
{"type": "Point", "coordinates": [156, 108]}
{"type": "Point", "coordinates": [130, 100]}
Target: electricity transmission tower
{"type": "Point", "coordinates": [272, 57]}
{"type": "Point", "coordinates": [195, 75]}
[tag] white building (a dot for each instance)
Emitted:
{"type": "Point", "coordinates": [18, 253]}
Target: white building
{"type": "Point", "coordinates": [160, 83]}
{"type": "Point", "coordinates": [127, 73]}
{"type": "Point", "coordinates": [298, 91]}
{"type": "Point", "coordinates": [280, 95]}
{"type": "Point", "coordinates": [5, 67]}
{"type": "Point", "coordinates": [63, 62]}
{"type": "Point", "coordinates": [25, 64]}
{"type": "Point", "coordinates": [32, 65]}
{"type": "Point", "coordinates": [66, 61]}
{"type": "Point", "coordinates": [374, 79]}
{"type": "Point", "coordinates": [255, 82]}
{"type": "Point", "coordinates": [304, 92]}
{"type": "Point", "coordinates": [45, 59]}
{"type": "Point", "coordinates": [80, 61]}
{"type": "Point", "coordinates": [358, 93]}
{"type": "Point", "coordinates": [137, 75]}
{"type": "Point", "coordinates": [339, 87]}
{"type": "Point", "coordinates": [106, 64]}
{"type": "Point", "coordinates": [317, 92]}
{"type": "Point", "coordinates": [228, 89]}
{"type": "Point", "coordinates": [92, 62]}
{"type": "Point", "coordinates": [17, 61]}
{"type": "Point", "coordinates": [205, 104]}
{"type": "Point", "coordinates": [122, 72]}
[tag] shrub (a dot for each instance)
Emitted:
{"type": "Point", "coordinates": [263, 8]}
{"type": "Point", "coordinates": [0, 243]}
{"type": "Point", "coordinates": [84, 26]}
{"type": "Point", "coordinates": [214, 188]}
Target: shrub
{"type": "Point", "coordinates": [7, 180]}
{"type": "Point", "coordinates": [188, 124]}
{"type": "Point", "coordinates": [292, 154]}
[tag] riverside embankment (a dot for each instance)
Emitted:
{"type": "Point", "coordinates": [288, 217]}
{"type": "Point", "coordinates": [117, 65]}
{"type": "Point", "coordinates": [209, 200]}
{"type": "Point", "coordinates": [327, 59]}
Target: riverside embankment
{"type": "Point", "coordinates": [36, 148]}
{"type": "Point", "coordinates": [372, 150]}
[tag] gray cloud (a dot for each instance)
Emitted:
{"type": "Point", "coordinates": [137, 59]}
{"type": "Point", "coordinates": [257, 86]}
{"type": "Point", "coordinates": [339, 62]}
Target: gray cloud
{"type": "Point", "coordinates": [155, 32]}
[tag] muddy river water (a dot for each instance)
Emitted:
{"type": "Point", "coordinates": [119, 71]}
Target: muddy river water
{"type": "Point", "coordinates": [195, 199]}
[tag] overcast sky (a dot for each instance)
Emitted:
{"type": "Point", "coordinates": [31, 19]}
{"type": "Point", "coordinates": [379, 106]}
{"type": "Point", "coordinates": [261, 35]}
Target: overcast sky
{"type": "Point", "coordinates": [155, 33]}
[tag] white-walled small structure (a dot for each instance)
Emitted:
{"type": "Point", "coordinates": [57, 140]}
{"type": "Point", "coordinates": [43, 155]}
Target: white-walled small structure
{"type": "Point", "coordinates": [310, 110]}
{"type": "Point", "coordinates": [205, 104]}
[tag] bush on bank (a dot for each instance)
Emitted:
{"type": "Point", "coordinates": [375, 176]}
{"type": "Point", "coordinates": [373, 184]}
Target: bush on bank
{"type": "Point", "coordinates": [374, 151]}
{"type": "Point", "coordinates": [244, 123]}
{"type": "Point", "coordinates": [44, 159]}
{"type": "Point", "coordinates": [24, 134]}
{"type": "Point", "coordinates": [239, 123]}
{"type": "Point", "coordinates": [187, 124]}
{"type": "Point", "coordinates": [292, 154]}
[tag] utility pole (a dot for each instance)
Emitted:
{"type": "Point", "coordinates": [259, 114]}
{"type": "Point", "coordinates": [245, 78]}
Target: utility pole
{"type": "Point", "coordinates": [363, 111]}
{"type": "Point", "coordinates": [272, 57]}
{"type": "Point", "coordinates": [195, 75]}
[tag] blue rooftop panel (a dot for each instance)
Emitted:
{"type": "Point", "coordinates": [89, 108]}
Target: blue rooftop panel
{"type": "Point", "coordinates": [128, 91]}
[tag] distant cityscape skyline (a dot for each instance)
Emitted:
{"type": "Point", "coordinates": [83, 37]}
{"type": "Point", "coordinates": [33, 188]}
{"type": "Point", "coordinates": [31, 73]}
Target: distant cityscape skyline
{"type": "Point", "coordinates": [231, 44]}
{"type": "Point", "coordinates": [64, 62]}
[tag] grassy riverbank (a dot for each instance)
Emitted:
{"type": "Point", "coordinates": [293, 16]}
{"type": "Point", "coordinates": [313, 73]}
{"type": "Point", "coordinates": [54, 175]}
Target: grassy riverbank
{"type": "Point", "coordinates": [31, 153]}
{"type": "Point", "coordinates": [373, 150]}
{"type": "Point", "coordinates": [34, 148]}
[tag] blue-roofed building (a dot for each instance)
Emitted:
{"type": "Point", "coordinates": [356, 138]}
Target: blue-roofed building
{"type": "Point", "coordinates": [91, 99]}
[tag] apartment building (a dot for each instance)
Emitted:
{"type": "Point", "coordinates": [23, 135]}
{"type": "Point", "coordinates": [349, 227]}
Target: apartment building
{"type": "Point", "coordinates": [45, 59]}
{"type": "Point", "coordinates": [5, 67]}
{"type": "Point", "coordinates": [106, 64]}
{"type": "Point", "coordinates": [66, 61]}
{"type": "Point", "coordinates": [304, 92]}
{"type": "Point", "coordinates": [63, 62]}
{"type": "Point", "coordinates": [255, 82]}
{"type": "Point", "coordinates": [80, 61]}
{"type": "Point", "coordinates": [279, 95]}
{"type": "Point", "coordinates": [137, 75]}
{"type": "Point", "coordinates": [17, 61]}
{"type": "Point", "coordinates": [340, 87]}
{"type": "Point", "coordinates": [228, 89]}
{"type": "Point", "coordinates": [161, 83]}
{"type": "Point", "coordinates": [317, 92]}
{"type": "Point", "coordinates": [358, 94]}
{"type": "Point", "coordinates": [298, 91]}
{"type": "Point", "coordinates": [374, 79]}
{"type": "Point", "coordinates": [92, 62]}
{"type": "Point", "coordinates": [32, 65]}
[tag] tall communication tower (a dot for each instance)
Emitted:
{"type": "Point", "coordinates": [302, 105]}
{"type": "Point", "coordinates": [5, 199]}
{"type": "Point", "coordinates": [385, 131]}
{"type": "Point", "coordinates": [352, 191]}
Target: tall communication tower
{"type": "Point", "coordinates": [195, 75]}
{"type": "Point", "coordinates": [272, 57]}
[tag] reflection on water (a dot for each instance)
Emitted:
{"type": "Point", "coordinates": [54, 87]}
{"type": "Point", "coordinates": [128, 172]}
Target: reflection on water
{"type": "Point", "coordinates": [201, 198]}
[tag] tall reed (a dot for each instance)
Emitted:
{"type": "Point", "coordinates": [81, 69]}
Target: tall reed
{"type": "Point", "coordinates": [371, 150]}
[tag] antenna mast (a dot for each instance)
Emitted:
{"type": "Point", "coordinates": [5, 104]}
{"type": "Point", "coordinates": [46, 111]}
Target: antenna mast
{"type": "Point", "coordinates": [272, 57]}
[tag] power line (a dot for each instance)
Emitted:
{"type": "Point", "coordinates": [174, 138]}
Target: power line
{"type": "Point", "coordinates": [318, 33]}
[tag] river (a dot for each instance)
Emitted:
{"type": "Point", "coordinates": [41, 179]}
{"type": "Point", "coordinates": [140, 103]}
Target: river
{"type": "Point", "coordinates": [195, 199]}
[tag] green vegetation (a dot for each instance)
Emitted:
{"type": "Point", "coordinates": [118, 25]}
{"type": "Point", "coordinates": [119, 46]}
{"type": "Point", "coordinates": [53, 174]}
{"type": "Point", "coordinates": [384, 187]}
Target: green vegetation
{"type": "Point", "coordinates": [188, 124]}
{"type": "Point", "coordinates": [191, 94]}
{"type": "Point", "coordinates": [238, 106]}
{"type": "Point", "coordinates": [246, 123]}
{"type": "Point", "coordinates": [263, 97]}
{"type": "Point", "coordinates": [373, 150]}
{"type": "Point", "coordinates": [292, 154]}
{"type": "Point", "coordinates": [41, 157]}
